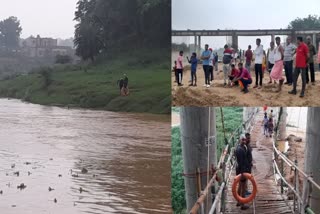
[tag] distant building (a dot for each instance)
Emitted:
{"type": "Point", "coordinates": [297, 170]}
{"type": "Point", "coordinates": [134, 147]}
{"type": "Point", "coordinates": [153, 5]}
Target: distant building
{"type": "Point", "coordinates": [38, 47]}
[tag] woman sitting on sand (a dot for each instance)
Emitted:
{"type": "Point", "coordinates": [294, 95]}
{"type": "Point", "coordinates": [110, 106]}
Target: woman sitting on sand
{"type": "Point", "coordinates": [244, 77]}
{"type": "Point", "coordinates": [276, 72]}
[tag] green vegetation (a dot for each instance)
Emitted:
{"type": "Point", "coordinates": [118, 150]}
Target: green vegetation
{"type": "Point", "coordinates": [112, 38]}
{"type": "Point", "coordinates": [232, 120]}
{"type": "Point", "coordinates": [95, 86]}
{"type": "Point", "coordinates": [105, 25]}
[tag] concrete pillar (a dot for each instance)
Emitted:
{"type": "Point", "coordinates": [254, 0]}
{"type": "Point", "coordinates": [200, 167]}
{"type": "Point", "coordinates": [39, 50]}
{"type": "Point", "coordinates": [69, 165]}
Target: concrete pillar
{"type": "Point", "coordinates": [283, 123]}
{"type": "Point", "coordinates": [195, 44]}
{"type": "Point", "coordinates": [194, 128]}
{"type": "Point", "coordinates": [293, 36]}
{"type": "Point", "coordinates": [272, 38]}
{"type": "Point", "coordinates": [199, 45]}
{"type": "Point", "coordinates": [314, 40]}
{"type": "Point", "coordinates": [235, 41]}
{"type": "Point", "coordinates": [312, 157]}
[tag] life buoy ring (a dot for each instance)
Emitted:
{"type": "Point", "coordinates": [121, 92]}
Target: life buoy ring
{"type": "Point", "coordinates": [235, 192]}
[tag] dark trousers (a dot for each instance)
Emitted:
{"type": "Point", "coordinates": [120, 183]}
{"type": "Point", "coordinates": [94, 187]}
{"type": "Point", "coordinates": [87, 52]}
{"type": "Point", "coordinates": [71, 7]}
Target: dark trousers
{"type": "Point", "coordinates": [206, 74]}
{"type": "Point", "coordinates": [194, 77]}
{"type": "Point", "coordinates": [236, 82]}
{"type": "Point", "coordinates": [288, 67]}
{"type": "Point", "coordinates": [246, 83]}
{"type": "Point", "coordinates": [179, 74]}
{"type": "Point", "coordinates": [311, 65]}
{"type": "Point", "coordinates": [211, 72]}
{"type": "Point", "coordinates": [296, 76]}
{"type": "Point", "coordinates": [258, 70]}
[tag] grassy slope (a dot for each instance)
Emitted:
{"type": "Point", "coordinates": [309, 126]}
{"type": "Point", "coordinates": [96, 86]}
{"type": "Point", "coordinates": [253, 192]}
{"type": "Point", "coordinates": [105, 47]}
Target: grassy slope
{"type": "Point", "coordinates": [232, 120]}
{"type": "Point", "coordinates": [149, 84]}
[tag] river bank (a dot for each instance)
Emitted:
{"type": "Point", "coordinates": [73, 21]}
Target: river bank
{"type": "Point", "coordinates": [95, 86]}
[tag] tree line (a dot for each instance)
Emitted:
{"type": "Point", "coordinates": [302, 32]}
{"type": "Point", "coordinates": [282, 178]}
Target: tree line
{"type": "Point", "coordinates": [105, 25]}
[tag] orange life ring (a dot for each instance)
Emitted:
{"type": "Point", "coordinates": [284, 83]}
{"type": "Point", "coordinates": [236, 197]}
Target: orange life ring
{"type": "Point", "coordinates": [235, 192]}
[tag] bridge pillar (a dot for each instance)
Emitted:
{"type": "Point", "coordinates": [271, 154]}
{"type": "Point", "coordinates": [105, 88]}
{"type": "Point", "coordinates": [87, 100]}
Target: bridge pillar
{"type": "Point", "coordinates": [199, 45]}
{"type": "Point", "coordinates": [314, 40]}
{"type": "Point", "coordinates": [195, 45]}
{"type": "Point", "coordinates": [235, 41]}
{"type": "Point", "coordinates": [293, 36]}
{"type": "Point", "coordinates": [283, 124]}
{"type": "Point", "coordinates": [195, 126]}
{"type": "Point", "coordinates": [272, 38]}
{"type": "Point", "coordinates": [312, 158]}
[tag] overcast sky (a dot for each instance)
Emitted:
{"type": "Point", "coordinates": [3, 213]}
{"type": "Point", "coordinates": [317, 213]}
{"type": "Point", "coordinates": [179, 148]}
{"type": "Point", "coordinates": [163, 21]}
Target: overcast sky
{"type": "Point", "coordinates": [49, 18]}
{"type": "Point", "coordinates": [235, 14]}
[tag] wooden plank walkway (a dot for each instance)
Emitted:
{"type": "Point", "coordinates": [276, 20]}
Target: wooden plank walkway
{"type": "Point", "coordinates": [268, 199]}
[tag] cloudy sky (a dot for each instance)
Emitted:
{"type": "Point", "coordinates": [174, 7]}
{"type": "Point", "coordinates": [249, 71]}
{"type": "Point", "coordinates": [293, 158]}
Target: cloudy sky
{"type": "Point", "coordinates": [235, 14]}
{"type": "Point", "coordinates": [49, 18]}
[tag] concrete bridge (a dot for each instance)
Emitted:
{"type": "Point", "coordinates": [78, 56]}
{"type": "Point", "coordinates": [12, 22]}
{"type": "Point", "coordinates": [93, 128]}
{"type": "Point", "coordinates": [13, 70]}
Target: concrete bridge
{"type": "Point", "coordinates": [197, 34]}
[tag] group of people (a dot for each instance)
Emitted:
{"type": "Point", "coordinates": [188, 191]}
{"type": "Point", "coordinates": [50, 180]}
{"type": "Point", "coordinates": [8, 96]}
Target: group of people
{"type": "Point", "coordinates": [243, 154]}
{"type": "Point", "coordinates": [209, 62]}
{"type": "Point", "coordinates": [268, 125]}
{"type": "Point", "coordinates": [274, 60]}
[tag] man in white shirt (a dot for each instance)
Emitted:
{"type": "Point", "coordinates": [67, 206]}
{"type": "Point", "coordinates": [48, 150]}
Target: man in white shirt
{"type": "Point", "coordinates": [289, 51]}
{"type": "Point", "coordinates": [259, 52]}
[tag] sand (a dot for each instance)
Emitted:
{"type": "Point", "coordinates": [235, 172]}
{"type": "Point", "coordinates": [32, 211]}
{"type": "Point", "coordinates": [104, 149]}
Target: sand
{"type": "Point", "coordinates": [217, 95]}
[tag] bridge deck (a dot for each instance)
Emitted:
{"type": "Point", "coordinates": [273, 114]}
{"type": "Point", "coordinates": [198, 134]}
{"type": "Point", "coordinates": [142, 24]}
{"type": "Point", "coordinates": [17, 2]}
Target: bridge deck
{"type": "Point", "coordinates": [268, 199]}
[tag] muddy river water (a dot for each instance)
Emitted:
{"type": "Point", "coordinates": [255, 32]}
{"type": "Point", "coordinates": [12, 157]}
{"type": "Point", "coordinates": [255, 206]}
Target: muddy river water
{"type": "Point", "coordinates": [95, 161]}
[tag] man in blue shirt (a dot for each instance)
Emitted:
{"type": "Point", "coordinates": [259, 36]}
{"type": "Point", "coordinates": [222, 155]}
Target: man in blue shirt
{"type": "Point", "coordinates": [205, 57]}
{"type": "Point", "coordinates": [194, 62]}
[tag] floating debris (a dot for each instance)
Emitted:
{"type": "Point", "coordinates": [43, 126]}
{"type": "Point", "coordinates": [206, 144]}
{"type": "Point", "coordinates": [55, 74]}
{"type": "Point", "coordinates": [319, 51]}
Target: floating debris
{"type": "Point", "coordinates": [7, 174]}
{"type": "Point", "coordinates": [8, 184]}
{"type": "Point", "coordinates": [1, 192]}
{"type": "Point", "coordinates": [12, 166]}
{"type": "Point", "coordinates": [59, 175]}
{"type": "Point", "coordinates": [16, 173]}
{"type": "Point", "coordinates": [29, 173]}
{"type": "Point", "coordinates": [50, 189]}
{"type": "Point", "coordinates": [94, 175]}
{"type": "Point", "coordinates": [55, 200]}
{"type": "Point", "coordinates": [21, 186]}
{"type": "Point", "coordinates": [51, 159]}
{"type": "Point", "coordinates": [13, 205]}
{"type": "Point", "coordinates": [75, 175]}
{"type": "Point", "coordinates": [84, 170]}
{"type": "Point", "coordinates": [80, 189]}
{"type": "Point", "coordinates": [27, 163]}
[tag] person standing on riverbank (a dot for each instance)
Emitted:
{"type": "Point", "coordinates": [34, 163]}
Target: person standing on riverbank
{"type": "Point", "coordinates": [179, 72]}
{"type": "Point", "coordinates": [310, 65]}
{"type": "Point", "coordinates": [205, 57]}
{"type": "Point", "coordinates": [301, 64]}
{"type": "Point", "coordinates": [270, 59]}
{"type": "Point", "coordinates": [194, 62]}
{"type": "Point", "coordinates": [289, 51]}
{"type": "Point", "coordinates": [227, 57]}
{"type": "Point", "coordinates": [276, 72]}
{"type": "Point", "coordinates": [259, 53]}
{"type": "Point", "coordinates": [211, 63]}
{"type": "Point", "coordinates": [248, 56]}
{"type": "Point", "coordinates": [216, 58]}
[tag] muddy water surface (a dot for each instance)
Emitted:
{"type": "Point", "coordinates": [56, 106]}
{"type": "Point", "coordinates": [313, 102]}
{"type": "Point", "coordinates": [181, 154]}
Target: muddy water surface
{"type": "Point", "coordinates": [127, 157]}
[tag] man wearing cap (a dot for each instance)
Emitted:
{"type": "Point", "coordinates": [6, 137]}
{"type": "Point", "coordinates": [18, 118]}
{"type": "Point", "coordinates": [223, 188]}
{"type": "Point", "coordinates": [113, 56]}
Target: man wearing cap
{"type": "Point", "coordinates": [243, 166]}
{"type": "Point", "coordinates": [312, 52]}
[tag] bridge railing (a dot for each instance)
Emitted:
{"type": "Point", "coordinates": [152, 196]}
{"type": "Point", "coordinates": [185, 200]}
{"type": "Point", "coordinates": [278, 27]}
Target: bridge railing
{"type": "Point", "coordinates": [300, 204]}
{"type": "Point", "coordinates": [224, 167]}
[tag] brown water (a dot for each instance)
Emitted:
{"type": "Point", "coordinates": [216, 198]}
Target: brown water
{"type": "Point", "coordinates": [127, 157]}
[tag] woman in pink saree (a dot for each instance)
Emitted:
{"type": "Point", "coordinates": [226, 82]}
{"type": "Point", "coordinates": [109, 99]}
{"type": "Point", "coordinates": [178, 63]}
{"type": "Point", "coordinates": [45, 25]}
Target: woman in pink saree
{"type": "Point", "coordinates": [277, 70]}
